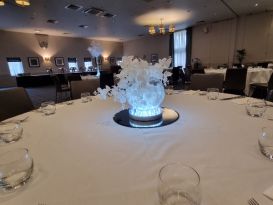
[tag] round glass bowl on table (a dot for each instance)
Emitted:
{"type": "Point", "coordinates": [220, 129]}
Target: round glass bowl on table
{"type": "Point", "coordinates": [10, 131]}
{"type": "Point", "coordinates": [266, 142]}
{"type": "Point", "coordinates": [16, 167]}
{"type": "Point", "coordinates": [255, 108]}
{"type": "Point", "coordinates": [48, 108]}
{"type": "Point", "coordinates": [179, 184]}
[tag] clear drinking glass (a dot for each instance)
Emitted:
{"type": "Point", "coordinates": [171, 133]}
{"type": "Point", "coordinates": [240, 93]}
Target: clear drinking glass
{"type": "Point", "coordinates": [179, 185]}
{"type": "Point", "coordinates": [15, 168]}
{"type": "Point", "coordinates": [266, 142]}
{"type": "Point", "coordinates": [85, 97]}
{"type": "Point", "coordinates": [48, 108]}
{"type": "Point", "coordinates": [10, 132]}
{"type": "Point", "coordinates": [212, 93]}
{"type": "Point", "coordinates": [255, 108]}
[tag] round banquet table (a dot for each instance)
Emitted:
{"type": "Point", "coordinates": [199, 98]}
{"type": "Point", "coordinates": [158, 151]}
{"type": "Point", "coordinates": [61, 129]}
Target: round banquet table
{"type": "Point", "coordinates": [254, 75]}
{"type": "Point", "coordinates": [81, 156]}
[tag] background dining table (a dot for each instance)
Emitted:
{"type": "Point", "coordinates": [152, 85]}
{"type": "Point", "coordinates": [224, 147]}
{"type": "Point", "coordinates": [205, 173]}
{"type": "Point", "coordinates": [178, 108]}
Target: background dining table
{"type": "Point", "coordinates": [254, 75]}
{"type": "Point", "coordinates": [81, 156]}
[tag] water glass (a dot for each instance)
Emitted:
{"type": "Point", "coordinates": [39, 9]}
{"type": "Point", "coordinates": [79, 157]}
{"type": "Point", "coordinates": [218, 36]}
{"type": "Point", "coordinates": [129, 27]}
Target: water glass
{"type": "Point", "coordinates": [212, 93]}
{"type": "Point", "coordinates": [266, 142]}
{"type": "Point", "coordinates": [255, 108]}
{"type": "Point", "coordinates": [10, 132]}
{"type": "Point", "coordinates": [179, 184]}
{"type": "Point", "coordinates": [16, 168]}
{"type": "Point", "coordinates": [48, 108]}
{"type": "Point", "coordinates": [85, 97]}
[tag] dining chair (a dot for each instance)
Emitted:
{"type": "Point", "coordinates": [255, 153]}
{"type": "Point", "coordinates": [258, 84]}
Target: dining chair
{"type": "Point", "coordinates": [62, 89]}
{"type": "Point", "coordinates": [205, 81]}
{"type": "Point", "coordinates": [106, 78]}
{"type": "Point", "coordinates": [78, 87]}
{"type": "Point", "coordinates": [14, 101]}
{"type": "Point", "coordinates": [269, 96]}
{"type": "Point", "coordinates": [260, 90]}
{"type": "Point", "coordinates": [199, 70]}
{"type": "Point", "coordinates": [235, 81]}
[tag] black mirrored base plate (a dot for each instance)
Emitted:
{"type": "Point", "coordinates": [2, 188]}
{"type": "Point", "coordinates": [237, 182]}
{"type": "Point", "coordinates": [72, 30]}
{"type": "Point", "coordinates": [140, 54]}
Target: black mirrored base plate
{"type": "Point", "coordinates": [169, 116]}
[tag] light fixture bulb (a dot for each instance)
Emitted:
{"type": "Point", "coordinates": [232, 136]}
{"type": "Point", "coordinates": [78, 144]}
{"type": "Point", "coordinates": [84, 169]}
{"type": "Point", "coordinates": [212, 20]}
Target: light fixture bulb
{"type": "Point", "coordinates": [151, 30]}
{"type": "Point", "coordinates": [171, 28]}
{"type": "Point", "coordinates": [2, 3]}
{"type": "Point", "coordinates": [22, 2]}
{"type": "Point", "coordinates": [161, 29]}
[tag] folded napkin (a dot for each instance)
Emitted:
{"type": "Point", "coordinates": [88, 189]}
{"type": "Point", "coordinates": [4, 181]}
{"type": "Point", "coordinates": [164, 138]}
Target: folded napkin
{"type": "Point", "coordinates": [190, 92]}
{"type": "Point", "coordinates": [223, 96]}
{"type": "Point", "coordinates": [269, 193]}
{"type": "Point", "coordinates": [244, 101]}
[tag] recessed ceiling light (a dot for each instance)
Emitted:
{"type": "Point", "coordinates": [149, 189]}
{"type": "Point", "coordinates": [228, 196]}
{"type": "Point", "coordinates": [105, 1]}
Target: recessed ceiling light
{"type": "Point", "coordinates": [83, 26]}
{"type": "Point", "coordinates": [22, 2]}
{"type": "Point", "coordinates": [256, 5]}
{"type": "Point", "coordinates": [53, 21]}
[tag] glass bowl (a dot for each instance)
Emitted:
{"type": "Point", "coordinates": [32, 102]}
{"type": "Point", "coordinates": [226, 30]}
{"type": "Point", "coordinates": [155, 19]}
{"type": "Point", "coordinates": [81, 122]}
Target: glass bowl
{"type": "Point", "coordinates": [256, 108]}
{"type": "Point", "coordinates": [16, 167]}
{"type": "Point", "coordinates": [179, 184]}
{"type": "Point", "coordinates": [10, 132]}
{"type": "Point", "coordinates": [266, 142]}
{"type": "Point", "coordinates": [48, 108]}
{"type": "Point", "coordinates": [212, 93]}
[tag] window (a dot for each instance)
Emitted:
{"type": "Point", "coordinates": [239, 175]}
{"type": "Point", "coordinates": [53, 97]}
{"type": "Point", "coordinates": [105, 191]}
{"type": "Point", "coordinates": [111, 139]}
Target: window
{"type": "Point", "coordinates": [15, 66]}
{"type": "Point", "coordinates": [88, 63]}
{"type": "Point", "coordinates": [72, 64]}
{"type": "Point", "coordinates": [180, 40]}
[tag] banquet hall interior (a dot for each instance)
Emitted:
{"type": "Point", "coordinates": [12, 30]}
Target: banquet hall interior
{"type": "Point", "coordinates": [89, 60]}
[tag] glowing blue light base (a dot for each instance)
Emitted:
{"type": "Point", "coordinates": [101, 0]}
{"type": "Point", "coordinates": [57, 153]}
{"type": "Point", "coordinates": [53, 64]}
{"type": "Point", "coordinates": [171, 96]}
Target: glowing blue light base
{"type": "Point", "coordinates": [145, 117]}
{"type": "Point", "coordinates": [145, 114]}
{"type": "Point", "coordinates": [150, 124]}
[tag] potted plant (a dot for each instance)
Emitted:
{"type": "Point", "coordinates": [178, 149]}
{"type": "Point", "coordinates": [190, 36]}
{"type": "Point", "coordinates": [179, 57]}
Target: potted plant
{"type": "Point", "coordinates": [241, 54]}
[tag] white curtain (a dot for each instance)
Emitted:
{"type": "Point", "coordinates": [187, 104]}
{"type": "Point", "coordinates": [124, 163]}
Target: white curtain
{"type": "Point", "coordinates": [180, 40]}
{"type": "Point", "coordinates": [15, 68]}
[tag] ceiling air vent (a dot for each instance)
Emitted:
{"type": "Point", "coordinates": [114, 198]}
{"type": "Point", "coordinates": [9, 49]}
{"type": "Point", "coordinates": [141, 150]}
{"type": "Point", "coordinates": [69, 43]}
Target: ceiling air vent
{"type": "Point", "coordinates": [108, 15]}
{"type": "Point", "coordinates": [148, 1]}
{"type": "Point", "coordinates": [53, 21]}
{"type": "Point", "coordinates": [93, 11]}
{"type": "Point", "coordinates": [73, 7]}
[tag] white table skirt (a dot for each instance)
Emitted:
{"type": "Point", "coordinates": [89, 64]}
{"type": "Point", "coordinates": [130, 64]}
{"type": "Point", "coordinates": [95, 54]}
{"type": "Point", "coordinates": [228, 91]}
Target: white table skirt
{"type": "Point", "coordinates": [254, 75]}
{"type": "Point", "coordinates": [82, 156]}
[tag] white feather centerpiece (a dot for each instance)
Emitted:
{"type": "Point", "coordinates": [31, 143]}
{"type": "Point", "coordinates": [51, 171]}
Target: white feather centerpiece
{"type": "Point", "coordinates": [95, 50]}
{"type": "Point", "coordinates": [141, 85]}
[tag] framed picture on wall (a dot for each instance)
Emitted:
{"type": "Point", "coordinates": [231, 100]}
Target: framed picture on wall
{"type": "Point", "coordinates": [154, 58]}
{"type": "Point", "coordinates": [59, 61]}
{"type": "Point", "coordinates": [112, 61]}
{"type": "Point", "coordinates": [33, 62]}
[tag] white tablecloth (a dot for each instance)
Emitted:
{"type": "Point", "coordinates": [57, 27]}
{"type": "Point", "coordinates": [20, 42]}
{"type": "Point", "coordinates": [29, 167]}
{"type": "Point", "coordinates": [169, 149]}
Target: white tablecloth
{"type": "Point", "coordinates": [254, 75]}
{"type": "Point", "coordinates": [82, 156]}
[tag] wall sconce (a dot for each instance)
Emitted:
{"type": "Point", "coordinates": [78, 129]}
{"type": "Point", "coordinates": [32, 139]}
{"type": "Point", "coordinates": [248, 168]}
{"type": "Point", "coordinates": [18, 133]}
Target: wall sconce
{"type": "Point", "coordinates": [42, 40]}
{"type": "Point", "coordinates": [46, 59]}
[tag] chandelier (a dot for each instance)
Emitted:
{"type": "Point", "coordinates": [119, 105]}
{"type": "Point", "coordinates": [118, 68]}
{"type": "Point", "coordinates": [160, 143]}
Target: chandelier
{"type": "Point", "coordinates": [161, 29]}
{"type": "Point", "coordinates": [18, 2]}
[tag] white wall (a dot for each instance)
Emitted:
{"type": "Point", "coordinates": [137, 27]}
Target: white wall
{"type": "Point", "coordinates": [218, 46]}
{"type": "Point", "coordinates": [13, 44]}
{"type": "Point", "coordinates": [147, 46]}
